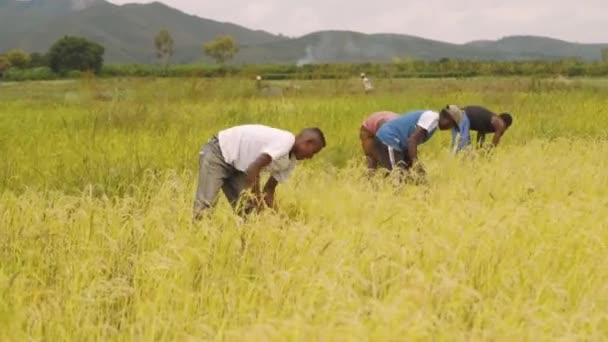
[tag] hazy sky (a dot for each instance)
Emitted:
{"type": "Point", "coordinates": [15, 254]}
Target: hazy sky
{"type": "Point", "coordinates": [455, 21]}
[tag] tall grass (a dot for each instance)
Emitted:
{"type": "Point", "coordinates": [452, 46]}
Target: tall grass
{"type": "Point", "coordinates": [97, 244]}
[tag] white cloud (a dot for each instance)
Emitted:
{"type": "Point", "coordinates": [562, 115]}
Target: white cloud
{"type": "Point", "coordinates": [447, 20]}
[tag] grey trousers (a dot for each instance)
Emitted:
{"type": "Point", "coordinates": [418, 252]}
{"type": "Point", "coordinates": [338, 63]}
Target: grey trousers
{"type": "Point", "coordinates": [215, 174]}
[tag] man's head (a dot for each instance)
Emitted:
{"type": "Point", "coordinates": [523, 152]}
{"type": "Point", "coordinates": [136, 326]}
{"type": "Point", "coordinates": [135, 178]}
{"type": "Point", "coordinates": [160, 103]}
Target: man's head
{"type": "Point", "coordinates": [450, 117]}
{"type": "Point", "coordinates": [308, 143]}
{"type": "Point", "coordinates": [507, 119]}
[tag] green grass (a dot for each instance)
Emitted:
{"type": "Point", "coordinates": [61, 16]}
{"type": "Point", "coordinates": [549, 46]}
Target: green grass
{"type": "Point", "coordinates": [96, 188]}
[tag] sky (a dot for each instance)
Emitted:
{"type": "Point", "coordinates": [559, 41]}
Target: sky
{"type": "Point", "coordinates": [456, 21]}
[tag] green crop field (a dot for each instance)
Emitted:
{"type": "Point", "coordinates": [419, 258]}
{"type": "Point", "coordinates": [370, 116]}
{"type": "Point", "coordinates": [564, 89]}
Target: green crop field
{"type": "Point", "coordinates": [97, 180]}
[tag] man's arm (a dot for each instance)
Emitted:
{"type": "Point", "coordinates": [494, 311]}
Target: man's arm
{"type": "Point", "coordinates": [481, 138]}
{"type": "Point", "coordinates": [372, 162]}
{"type": "Point", "coordinates": [454, 135]}
{"type": "Point", "coordinates": [465, 136]}
{"type": "Point", "coordinates": [412, 143]}
{"type": "Point", "coordinates": [269, 190]}
{"type": "Point", "coordinates": [253, 173]}
{"type": "Point", "coordinates": [499, 130]}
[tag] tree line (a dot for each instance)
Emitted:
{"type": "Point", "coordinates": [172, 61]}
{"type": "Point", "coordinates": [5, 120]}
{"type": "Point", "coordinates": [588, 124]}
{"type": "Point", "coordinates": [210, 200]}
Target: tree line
{"type": "Point", "coordinates": [78, 54]}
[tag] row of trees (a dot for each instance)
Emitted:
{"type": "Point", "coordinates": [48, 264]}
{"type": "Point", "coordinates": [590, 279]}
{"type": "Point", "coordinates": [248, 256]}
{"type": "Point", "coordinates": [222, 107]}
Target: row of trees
{"type": "Point", "coordinates": [76, 53]}
{"type": "Point", "coordinates": [68, 53]}
{"type": "Point", "coordinates": [221, 49]}
{"type": "Point", "coordinates": [20, 59]}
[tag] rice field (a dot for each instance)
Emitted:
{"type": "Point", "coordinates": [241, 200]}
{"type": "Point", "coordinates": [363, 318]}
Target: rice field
{"type": "Point", "coordinates": [97, 179]}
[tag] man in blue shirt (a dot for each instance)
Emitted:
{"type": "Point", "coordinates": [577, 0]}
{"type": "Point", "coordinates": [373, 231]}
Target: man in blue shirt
{"type": "Point", "coordinates": [397, 140]}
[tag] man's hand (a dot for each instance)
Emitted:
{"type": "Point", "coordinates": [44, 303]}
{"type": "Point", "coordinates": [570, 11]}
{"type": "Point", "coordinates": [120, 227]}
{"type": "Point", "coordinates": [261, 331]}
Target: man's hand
{"type": "Point", "coordinates": [417, 174]}
{"type": "Point", "coordinates": [269, 200]}
{"type": "Point", "coordinates": [412, 143]}
{"type": "Point", "coordinates": [372, 162]}
{"type": "Point", "coordinates": [249, 207]}
{"type": "Point", "coordinates": [499, 130]}
{"type": "Point", "coordinates": [481, 139]}
{"type": "Point", "coordinates": [419, 169]}
{"type": "Point", "coordinates": [253, 174]}
{"type": "Point", "coordinates": [269, 190]}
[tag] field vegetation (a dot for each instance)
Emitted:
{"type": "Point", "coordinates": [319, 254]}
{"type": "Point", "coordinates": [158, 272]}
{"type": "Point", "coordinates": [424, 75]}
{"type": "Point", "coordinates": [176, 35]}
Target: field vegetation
{"type": "Point", "coordinates": [97, 180]}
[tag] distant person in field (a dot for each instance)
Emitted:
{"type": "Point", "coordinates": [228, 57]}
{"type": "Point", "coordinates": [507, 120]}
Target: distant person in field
{"type": "Point", "coordinates": [259, 84]}
{"type": "Point", "coordinates": [367, 84]}
{"type": "Point", "coordinates": [482, 120]}
{"type": "Point", "coordinates": [233, 159]}
{"type": "Point", "coordinates": [367, 134]}
{"type": "Point", "coordinates": [397, 141]}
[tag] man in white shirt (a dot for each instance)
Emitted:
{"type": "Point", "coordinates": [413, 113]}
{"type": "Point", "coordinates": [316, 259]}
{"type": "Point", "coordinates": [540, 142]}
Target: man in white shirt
{"type": "Point", "coordinates": [233, 160]}
{"type": "Point", "coordinates": [367, 84]}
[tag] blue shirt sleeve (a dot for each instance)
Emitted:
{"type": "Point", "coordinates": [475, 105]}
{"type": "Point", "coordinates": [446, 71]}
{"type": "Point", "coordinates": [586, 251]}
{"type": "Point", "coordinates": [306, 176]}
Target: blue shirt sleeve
{"type": "Point", "coordinates": [465, 134]}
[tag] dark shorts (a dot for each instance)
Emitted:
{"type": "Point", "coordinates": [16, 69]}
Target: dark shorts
{"type": "Point", "coordinates": [390, 158]}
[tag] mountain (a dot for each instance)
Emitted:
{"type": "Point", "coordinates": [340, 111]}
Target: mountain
{"type": "Point", "coordinates": [530, 47]}
{"type": "Point", "coordinates": [345, 46]}
{"type": "Point", "coordinates": [128, 32]}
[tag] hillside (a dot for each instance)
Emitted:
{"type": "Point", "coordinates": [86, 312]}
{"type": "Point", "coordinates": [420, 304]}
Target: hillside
{"type": "Point", "coordinates": [344, 46]}
{"type": "Point", "coordinates": [530, 47]}
{"type": "Point", "coordinates": [127, 32]}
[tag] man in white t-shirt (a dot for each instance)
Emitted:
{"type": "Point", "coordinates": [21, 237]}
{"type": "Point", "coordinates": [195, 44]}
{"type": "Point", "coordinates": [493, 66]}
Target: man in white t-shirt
{"type": "Point", "coordinates": [233, 160]}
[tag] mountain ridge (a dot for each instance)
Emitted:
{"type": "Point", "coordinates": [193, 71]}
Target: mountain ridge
{"type": "Point", "coordinates": [127, 32]}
